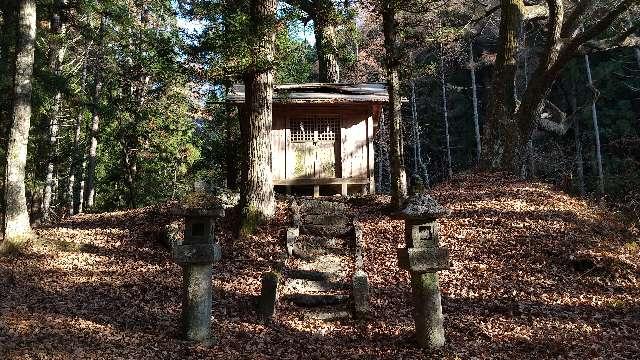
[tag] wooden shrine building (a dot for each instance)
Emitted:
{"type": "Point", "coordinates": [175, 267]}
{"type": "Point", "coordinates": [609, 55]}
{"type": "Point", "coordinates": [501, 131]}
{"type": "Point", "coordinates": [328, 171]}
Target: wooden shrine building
{"type": "Point", "coordinates": [322, 135]}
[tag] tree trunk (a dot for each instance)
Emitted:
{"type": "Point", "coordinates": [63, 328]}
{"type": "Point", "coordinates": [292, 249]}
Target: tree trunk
{"type": "Point", "coordinates": [89, 191]}
{"type": "Point", "coordinates": [476, 115]}
{"type": "Point", "coordinates": [257, 197]}
{"type": "Point", "coordinates": [445, 110]}
{"type": "Point", "coordinates": [7, 67]}
{"type": "Point", "coordinates": [414, 131]}
{"type": "Point", "coordinates": [56, 59]}
{"type": "Point", "coordinates": [231, 158]}
{"type": "Point", "coordinates": [130, 164]}
{"type": "Point", "coordinates": [501, 132]}
{"type": "Point", "coordinates": [16, 218]}
{"type": "Point", "coordinates": [326, 42]}
{"type": "Point", "coordinates": [596, 131]}
{"type": "Point", "coordinates": [77, 156]}
{"type": "Point", "coordinates": [573, 104]}
{"type": "Point", "coordinates": [396, 153]}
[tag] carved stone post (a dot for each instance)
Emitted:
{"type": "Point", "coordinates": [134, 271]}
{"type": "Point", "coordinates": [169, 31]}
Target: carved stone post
{"type": "Point", "coordinates": [196, 254]}
{"type": "Point", "coordinates": [423, 257]}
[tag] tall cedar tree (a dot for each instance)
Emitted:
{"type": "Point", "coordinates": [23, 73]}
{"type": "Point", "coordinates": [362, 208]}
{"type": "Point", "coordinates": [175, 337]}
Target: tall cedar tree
{"type": "Point", "coordinates": [16, 219]}
{"type": "Point", "coordinates": [325, 20]}
{"type": "Point", "coordinates": [396, 152]}
{"type": "Point", "coordinates": [257, 198]}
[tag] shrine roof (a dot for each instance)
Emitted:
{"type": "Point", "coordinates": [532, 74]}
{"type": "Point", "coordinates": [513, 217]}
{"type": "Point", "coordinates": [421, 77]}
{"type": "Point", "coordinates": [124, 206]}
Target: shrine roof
{"type": "Point", "coordinates": [320, 93]}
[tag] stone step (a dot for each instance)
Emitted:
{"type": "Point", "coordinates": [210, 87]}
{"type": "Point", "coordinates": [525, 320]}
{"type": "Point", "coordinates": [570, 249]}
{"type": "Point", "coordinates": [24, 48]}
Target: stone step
{"type": "Point", "coordinates": [302, 286]}
{"type": "Point", "coordinates": [325, 219]}
{"type": "Point", "coordinates": [322, 241]}
{"type": "Point", "coordinates": [326, 230]}
{"type": "Point", "coordinates": [313, 300]}
{"type": "Point", "coordinates": [315, 253]}
{"type": "Point", "coordinates": [309, 206]}
{"type": "Point", "coordinates": [312, 275]}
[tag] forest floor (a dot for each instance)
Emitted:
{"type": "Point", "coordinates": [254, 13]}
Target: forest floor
{"type": "Point", "coordinates": [536, 274]}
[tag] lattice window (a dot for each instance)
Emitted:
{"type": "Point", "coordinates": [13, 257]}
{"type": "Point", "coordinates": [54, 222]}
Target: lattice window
{"type": "Point", "coordinates": [302, 129]}
{"type": "Point", "coordinates": [328, 128]}
{"type": "Point", "coordinates": [325, 127]}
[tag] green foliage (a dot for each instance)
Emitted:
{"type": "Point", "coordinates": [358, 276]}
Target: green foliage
{"type": "Point", "coordinates": [294, 57]}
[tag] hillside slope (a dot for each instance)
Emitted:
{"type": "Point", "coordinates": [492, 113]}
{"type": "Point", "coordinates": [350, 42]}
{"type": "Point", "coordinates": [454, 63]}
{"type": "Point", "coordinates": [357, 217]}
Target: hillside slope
{"type": "Point", "coordinates": [535, 274]}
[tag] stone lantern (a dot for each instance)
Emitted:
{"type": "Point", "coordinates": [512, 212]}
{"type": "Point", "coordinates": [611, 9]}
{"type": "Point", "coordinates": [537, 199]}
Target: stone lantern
{"type": "Point", "coordinates": [196, 254]}
{"type": "Point", "coordinates": [423, 257]}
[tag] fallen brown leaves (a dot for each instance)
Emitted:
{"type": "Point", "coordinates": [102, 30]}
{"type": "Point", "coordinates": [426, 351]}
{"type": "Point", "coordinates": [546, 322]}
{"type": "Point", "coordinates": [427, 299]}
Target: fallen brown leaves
{"type": "Point", "coordinates": [536, 274]}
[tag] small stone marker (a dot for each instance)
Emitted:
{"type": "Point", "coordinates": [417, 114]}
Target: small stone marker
{"type": "Point", "coordinates": [360, 281]}
{"type": "Point", "coordinates": [292, 235]}
{"type": "Point", "coordinates": [423, 257]}
{"type": "Point", "coordinates": [196, 254]}
{"type": "Point", "coordinates": [360, 294]}
{"type": "Point", "coordinates": [268, 300]}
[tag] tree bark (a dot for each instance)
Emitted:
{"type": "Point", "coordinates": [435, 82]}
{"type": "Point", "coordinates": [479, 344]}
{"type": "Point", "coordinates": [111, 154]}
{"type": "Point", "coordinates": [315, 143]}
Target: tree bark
{"type": "Point", "coordinates": [414, 130]}
{"type": "Point", "coordinates": [231, 158]}
{"type": "Point", "coordinates": [596, 131]}
{"type": "Point", "coordinates": [476, 114]}
{"type": "Point", "coordinates": [445, 110]}
{"type": "Point", "coordinates": [77, 157]}
{"type": "Point", "coordinates": [257, 198]}
{"type": "Point", "coordinates": [92, 151]}
{"type": "Point", "coordinates": [16, 218]}
{"type": "Point", "coordinates": [55, 63]}
{"type": "Point", "coordinates": [326, 43]}
{"type": "Point", "coordinates": [396, 153]}
{"type": "Point", "coordinates": [7, 66]}
{"type": "Point", "coordinates": [501, 134]}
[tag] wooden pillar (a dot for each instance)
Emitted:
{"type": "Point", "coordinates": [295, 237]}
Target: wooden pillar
{"type": "Point", "coordinates": [344, 191]}
{"type": "Point", "coordinates": [316, 191]}
{"type": "Point", "coordinates": [370, 156]}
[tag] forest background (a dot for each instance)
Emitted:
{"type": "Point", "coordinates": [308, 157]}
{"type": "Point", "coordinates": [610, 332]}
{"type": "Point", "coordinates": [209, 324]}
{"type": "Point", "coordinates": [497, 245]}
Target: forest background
{"type": "Point", "coordinates": [128, 96]}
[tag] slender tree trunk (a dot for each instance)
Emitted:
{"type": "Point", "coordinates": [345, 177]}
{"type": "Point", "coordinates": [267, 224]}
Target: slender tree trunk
{"type": "Point", "coordinates": [476, 114]}
{"type": "Point", "coordinates": [379, 158]}
{"type": "Point", "coordinates": [89, 191]}
{"type": "Point", "coordinates": [396, 153]}
{"type": "Point", "coordinates": [130, 164]}
{"type": "Point", "coordinates": [257, 197]}
{"type": "Point", "coordinates": [501, 131]}
{"type": "Point", "coordinates": [596, 132]}
{"type": "Point", "coordinates": [414, 130]}
{"type": "Point", "coordinates": [573, 103]}
{"type": "Point", "coordinates": [7, 68]}
{"type": "Point", "coordinates": [445, 109]}
{"type": "Point", "coordinates": [16, 218]}
{"type": "Point", "coordinates": [326, 42]}
{"type": "Point", "coordinates": [77, 155]}
{"type": "Point", "coordinates": [231, 158]}
{"type": "Point", "coordinates": [56, 59]}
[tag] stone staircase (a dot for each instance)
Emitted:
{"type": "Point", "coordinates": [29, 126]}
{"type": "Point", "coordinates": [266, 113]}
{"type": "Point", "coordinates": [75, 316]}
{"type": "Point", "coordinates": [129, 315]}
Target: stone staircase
{"type": "Point", "coordinates": [323, 253]}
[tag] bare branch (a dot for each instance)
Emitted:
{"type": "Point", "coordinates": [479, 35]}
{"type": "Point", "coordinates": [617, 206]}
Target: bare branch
{"type": "Point", "coordinates": [573, 20]}
{"type": "Point", "coordinates": [536, 12]}
{"type": "Point", "coordinates": [626, 39]}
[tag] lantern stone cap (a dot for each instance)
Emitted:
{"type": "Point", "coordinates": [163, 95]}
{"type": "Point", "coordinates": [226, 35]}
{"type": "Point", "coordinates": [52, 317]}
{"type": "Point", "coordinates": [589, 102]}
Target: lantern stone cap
{"type": "Point", "coordinates": [423, 206]}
